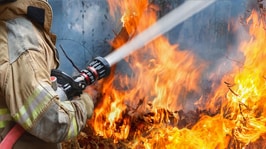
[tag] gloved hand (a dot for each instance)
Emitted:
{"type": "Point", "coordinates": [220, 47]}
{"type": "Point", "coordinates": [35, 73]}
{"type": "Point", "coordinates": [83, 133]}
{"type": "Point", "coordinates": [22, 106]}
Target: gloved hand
{"type": "Point", "coordinates": [89, 97]}
{"type": "Point", "coordinates": [88, 102]}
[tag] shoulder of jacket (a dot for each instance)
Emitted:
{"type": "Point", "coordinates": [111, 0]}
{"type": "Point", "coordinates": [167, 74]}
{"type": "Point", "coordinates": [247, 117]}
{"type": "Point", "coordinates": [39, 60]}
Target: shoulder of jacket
{"type": "Point", "coordinates": [21, 36]}
{"type": "Point", "coordinates": [26, 7]}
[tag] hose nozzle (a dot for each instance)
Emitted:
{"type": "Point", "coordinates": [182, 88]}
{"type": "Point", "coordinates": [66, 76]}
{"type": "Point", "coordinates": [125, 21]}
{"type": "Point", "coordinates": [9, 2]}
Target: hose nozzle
{"type": "Point", "coordinates": [97, 69]}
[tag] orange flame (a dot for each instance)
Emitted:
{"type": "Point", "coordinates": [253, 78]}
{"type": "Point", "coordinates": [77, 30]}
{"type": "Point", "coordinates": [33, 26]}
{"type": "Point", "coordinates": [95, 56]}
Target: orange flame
{"type": "Point", "coordinates": [247, 103]}
{"type": "Point", "coordinates": [161, 76]}
{"type": "Point", "coordinates": [243, 108]}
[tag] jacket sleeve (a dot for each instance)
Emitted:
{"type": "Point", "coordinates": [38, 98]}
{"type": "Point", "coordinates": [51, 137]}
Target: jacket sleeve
{"type": "Point", "coordinates": [32, 101]}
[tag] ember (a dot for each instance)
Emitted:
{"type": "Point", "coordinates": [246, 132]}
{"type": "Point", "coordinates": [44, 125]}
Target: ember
{"type": "Point", "coordinates": [142, 103]}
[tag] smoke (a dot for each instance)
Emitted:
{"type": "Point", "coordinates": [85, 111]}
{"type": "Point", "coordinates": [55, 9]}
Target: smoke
{"type": "Point", "coordinates": [214, 35]}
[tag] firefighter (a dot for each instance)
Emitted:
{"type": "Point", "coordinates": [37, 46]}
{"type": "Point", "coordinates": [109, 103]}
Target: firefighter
{"type": "Point", "coordinates": [32, 116]}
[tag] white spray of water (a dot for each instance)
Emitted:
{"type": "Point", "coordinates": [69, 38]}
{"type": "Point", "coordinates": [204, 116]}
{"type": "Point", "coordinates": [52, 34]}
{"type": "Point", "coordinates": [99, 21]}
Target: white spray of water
{"type": "Point", "coordinates": [167, 22]}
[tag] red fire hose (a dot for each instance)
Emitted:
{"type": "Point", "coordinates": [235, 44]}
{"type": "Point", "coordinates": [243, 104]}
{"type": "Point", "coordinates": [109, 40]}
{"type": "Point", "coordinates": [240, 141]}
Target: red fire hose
{"type": "Point", "coordinates": [11, 137]}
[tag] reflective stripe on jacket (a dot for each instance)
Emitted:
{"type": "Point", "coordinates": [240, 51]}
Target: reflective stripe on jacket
{"type": "Point", "coordinates": [27, 55]}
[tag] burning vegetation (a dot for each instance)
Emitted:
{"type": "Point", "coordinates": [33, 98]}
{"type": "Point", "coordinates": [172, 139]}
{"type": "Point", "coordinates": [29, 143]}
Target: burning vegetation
{"type": "Point", "coordinates": [142, 104]}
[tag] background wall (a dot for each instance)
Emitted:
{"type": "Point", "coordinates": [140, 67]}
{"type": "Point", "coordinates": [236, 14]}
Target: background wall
{"type": "Point", "coordinates": [83, 29]}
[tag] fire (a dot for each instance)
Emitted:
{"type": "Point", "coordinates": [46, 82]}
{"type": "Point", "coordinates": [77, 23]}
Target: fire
{"type": "Point", "coordinates": [160, 78]}
{"type": "Point", "coordinates": [242, 108]}
{"type": "Point", "coordinates": [246, 103]}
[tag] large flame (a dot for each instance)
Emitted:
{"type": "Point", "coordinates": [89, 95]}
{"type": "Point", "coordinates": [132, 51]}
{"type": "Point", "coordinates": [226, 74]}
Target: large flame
{"type": "Point", "coordinates": [246, 100]}
{"type": "Point", "coordinates": [161, 76]}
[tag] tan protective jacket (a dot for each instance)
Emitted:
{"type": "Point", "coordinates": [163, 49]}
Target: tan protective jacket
{"type": "Point", "coordinates": [27, 55]}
